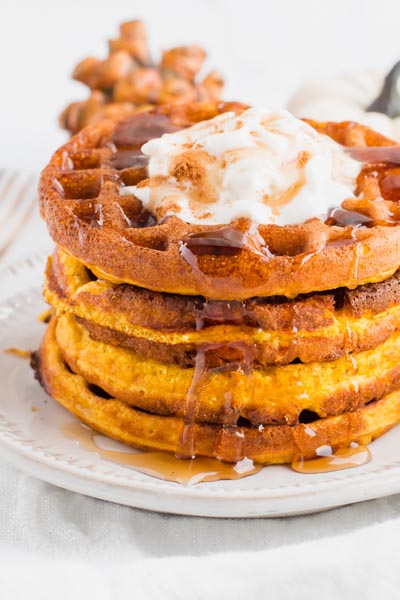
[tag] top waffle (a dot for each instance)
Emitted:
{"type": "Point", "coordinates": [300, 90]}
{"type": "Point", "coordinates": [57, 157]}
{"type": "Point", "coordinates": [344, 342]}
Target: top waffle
{"type": "Point", "coordinates": [119, 240]}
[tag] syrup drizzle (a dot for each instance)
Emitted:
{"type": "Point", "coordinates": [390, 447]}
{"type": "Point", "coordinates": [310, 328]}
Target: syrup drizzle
{"type": "Point", "coordinates": [329, 460]}
{"type": "Point", "coordinates": [135, 131]}
{"type": "Point", "coordinates": [161, 465]}
{"type": "Point", "coordinates": [347, 218]}
{"type": "Point", "coordinates": [380, 162]}
{"type": "Point", "coordinates": [375, 154]}
{"type": "Point", "coordinates": [124, 159]}
{"type": "Point", "coordinates": [241, 362]}
{"type": "Point", "coordinates": [199, 250]}
{"type": "Point", "coordinates": [127, 140]}
{"type": "Point", "coordinates": [223, 312]}
{"type": "Point", "coordinates": [225, 241]}
{"type": "Point", "coordinates": [356, 260]}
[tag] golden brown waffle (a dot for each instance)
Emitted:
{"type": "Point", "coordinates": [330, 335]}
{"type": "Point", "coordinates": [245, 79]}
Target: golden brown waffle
{"type": "Point", "coordinates": [128, 79]}
{"type": "Point", "coordinates": [120, 241]}
{"type": "Point", "coordinates": [272, 395]}
{"type": "Point", "coordinates": [170, 328]}
{"type": "Point", "coordinates": [269, 444]}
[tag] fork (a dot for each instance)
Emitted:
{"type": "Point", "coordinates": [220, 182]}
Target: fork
{"type": "Point", "coordinates": [17, 203]}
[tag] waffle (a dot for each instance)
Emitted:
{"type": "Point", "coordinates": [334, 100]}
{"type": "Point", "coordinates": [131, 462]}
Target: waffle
{"type": "Point", "coordinates": [263, 444]}
{"type": "Point", "coordinates": [270, 395]}
{"type": "Point", "coordinates": [170, 328]}
{"type": "Point", "coordinates": [128, 80]}
{"type": "Point", "coordinates": [119, 241]}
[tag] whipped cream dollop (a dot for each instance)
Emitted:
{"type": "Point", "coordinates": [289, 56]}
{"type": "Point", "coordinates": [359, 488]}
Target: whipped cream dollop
{"type": "Point", "coordinates": [345, 97]}
{"type": "Point", "coordinates": [267, 166]}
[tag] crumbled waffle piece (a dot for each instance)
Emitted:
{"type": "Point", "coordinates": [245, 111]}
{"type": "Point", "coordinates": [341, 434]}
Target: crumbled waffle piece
{"type": "Point", "coordinates": [128, 79]}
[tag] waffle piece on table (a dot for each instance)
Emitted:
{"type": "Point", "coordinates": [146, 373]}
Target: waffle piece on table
{"type": "Point", "coordinates": [128, 79]}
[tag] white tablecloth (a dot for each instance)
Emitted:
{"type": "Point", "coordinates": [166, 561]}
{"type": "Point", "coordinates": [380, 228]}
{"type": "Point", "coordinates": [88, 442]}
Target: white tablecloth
{"type": "Point", "coordinates": [58, 544]}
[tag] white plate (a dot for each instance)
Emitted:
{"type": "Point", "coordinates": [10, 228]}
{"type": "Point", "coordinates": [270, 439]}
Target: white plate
{"type": "Point", "coordinates": [34, 441]}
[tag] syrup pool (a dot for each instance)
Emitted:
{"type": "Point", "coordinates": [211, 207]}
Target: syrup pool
{"type": "Point", "coordinates": [161, 465]}
{"type": "Point", "coordinates": [165, 466]}
{"type": "Point", "coordinates": [329, 460]}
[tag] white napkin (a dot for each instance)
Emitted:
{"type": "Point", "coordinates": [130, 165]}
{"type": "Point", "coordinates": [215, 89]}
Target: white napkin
{"type": "Point", "coordinates": [58, 544]}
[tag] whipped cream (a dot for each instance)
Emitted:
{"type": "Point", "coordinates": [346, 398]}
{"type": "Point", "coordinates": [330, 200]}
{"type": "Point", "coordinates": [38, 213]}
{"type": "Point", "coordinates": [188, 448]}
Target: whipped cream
{"type": "Point", "coordinates": [345, 97]}
{"type": "Point", "coordinates": [267, 166]}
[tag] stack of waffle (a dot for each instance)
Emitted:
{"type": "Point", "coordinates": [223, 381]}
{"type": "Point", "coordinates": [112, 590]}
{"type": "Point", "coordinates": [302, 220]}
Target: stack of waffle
{"type": "Point", "coordinates": [243, 340]}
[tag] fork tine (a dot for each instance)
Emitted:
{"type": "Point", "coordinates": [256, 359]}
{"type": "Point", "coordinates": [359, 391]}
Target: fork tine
{"type": "Point", "coordinates": [17, 214]}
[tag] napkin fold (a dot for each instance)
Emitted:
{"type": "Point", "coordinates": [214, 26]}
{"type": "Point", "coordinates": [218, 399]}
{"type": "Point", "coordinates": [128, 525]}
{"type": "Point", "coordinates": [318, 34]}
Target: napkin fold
{"type": "Point", "coordinates": [58, 544]}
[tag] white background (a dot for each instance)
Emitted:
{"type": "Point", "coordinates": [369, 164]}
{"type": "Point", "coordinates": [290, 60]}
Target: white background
{"type": "Point", "coordinates": [265, 49]}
